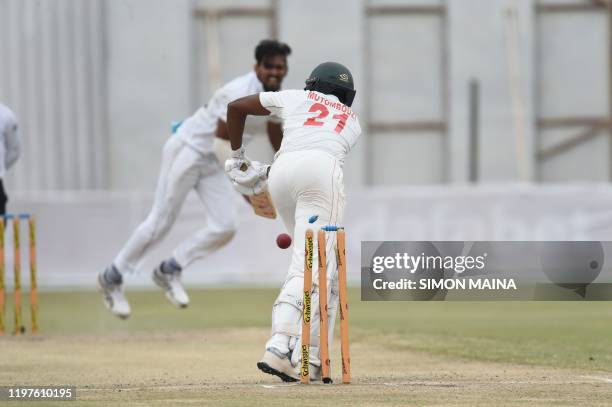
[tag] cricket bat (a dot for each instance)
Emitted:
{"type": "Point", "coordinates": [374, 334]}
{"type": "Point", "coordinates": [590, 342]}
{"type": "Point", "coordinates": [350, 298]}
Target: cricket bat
{"type": "Point", "coordinates": [262, 204]}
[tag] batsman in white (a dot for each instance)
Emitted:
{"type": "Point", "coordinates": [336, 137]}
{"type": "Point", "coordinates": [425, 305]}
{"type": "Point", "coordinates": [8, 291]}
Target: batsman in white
{"type": "Point", "coordinates": [319, 129]}
{"type": "Point", "coordinates": [192, 159]}
{"type": "Point", "coordinates": [9, 149]}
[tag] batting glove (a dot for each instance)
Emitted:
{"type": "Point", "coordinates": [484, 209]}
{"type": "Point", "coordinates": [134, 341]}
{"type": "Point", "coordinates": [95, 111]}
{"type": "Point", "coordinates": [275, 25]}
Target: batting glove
{"type": "Point", "coordinates": [240, 170]}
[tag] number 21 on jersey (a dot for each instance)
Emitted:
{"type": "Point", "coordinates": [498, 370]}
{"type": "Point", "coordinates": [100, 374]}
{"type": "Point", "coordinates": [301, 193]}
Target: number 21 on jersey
{"type": "Point", "coordinates": [323, 112]}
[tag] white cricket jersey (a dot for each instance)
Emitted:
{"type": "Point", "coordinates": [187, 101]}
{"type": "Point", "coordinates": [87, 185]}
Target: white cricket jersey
{"type": "Point", "coordinates": [9, 139]}
{"type": "Point", "coordinates": [199, 130]}
{"type": "Point", "coordinates": [313, 121]}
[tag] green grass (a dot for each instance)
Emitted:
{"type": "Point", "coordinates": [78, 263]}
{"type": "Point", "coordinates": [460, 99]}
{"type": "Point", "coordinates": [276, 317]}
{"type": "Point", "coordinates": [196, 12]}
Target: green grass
{"type": "Point", "coordinates": [559, 334]}
{"type": "Point", "coordinates": [402, 353]}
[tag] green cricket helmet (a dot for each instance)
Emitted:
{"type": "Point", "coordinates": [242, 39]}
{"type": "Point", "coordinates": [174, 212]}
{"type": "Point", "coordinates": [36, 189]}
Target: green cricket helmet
{"type": "Point", "coordinates": [332, 78]}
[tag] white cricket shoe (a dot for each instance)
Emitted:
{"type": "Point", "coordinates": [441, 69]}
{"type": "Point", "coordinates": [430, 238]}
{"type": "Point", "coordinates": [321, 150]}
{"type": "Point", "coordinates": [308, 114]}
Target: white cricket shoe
{"type": "Point", "coordinates": [279, 365]}
{"type": "Point", "coordinates": [114, 299]}
{"type": "Point", "coordinates": [171, 284]}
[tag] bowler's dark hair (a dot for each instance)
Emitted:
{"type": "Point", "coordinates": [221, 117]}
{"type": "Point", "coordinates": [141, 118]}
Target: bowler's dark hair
{"type": "Point", "coordinates": [271, 48]}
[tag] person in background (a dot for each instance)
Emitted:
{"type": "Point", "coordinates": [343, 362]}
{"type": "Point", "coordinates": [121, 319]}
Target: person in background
{"type": "Point", "coordinates": [9, 149]}
{"type": "Point", "coordinates": [193, 160]}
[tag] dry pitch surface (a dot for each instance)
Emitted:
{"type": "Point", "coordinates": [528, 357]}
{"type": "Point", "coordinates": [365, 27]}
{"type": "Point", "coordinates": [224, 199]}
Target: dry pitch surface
{"type": "Point", "coordinates": [402, 354]}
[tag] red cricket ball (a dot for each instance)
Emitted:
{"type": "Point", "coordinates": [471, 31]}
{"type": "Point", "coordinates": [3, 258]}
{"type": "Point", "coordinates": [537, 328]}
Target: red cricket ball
{"type": "Point", "coordinates": [283, 240]}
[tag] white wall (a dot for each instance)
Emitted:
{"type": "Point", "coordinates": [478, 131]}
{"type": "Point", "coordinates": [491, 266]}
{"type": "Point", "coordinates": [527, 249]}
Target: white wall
{"type": "Point", "coordinates": [566, 89]}
{"type": "Point", "coordinates": [96, 83]}
{"type": "Point", "coordinates": [80, 233]}
{"type": "Point", "coordinates": [487, 45]}
{"type": "Point", "coordinates": [406, 77]}
{"type": "Point", "coordinates": [53, 76]}
{"type": "Point", "coordinates": [149, 60]}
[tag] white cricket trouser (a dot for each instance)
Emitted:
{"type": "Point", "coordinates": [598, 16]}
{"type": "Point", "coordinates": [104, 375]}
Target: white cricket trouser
{"type": "Point", "coordinates": [184, 169]}
{"type": "Point", "coordinates": [303, 184]}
